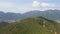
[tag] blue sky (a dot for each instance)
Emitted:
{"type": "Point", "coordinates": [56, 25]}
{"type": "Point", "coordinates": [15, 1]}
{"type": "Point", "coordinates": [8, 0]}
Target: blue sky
{"type": "Point", "coordinates": [22, 6]}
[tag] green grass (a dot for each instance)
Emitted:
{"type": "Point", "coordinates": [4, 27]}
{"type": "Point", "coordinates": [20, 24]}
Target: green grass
{"type": "Point", "coordinates": [30, 26]}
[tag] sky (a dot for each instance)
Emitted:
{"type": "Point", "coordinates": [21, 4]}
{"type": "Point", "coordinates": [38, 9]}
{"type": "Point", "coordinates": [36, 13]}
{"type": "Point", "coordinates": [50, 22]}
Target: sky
{"type": "Point", "coordinates": [22, 6]}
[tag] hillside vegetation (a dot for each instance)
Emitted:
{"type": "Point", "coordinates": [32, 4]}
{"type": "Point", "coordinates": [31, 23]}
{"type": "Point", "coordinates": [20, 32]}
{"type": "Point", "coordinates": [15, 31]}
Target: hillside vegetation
{"type": "Point", "coordinates": [32, 25]}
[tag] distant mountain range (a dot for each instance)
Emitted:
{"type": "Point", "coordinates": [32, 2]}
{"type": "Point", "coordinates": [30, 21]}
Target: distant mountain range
{"type": "Point", "coordinates": [49, 14]}
{"type": "Point", "coordinates": [9, 16]}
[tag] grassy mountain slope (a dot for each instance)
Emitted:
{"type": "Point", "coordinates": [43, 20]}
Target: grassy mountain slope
{"type": "Point", "coordinates": [58, 28]}
{"type": "Point", "coordinates": [2, 24]}
{"type": "Point", "coordinates": [30, 26]}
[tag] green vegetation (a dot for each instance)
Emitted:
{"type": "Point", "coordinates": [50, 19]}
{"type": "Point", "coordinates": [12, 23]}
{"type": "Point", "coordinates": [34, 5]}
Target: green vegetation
{"type": "Point", "coordinates": [31, 26]}
{"type": "Point", "coordinates": [2, 24]}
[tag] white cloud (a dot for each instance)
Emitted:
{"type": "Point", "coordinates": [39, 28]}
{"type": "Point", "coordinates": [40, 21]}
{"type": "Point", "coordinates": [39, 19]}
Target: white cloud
{"type": "Point", "coordinates": [6, 5]}
{"type": "Point", "coordinates": [36, 4]}
{"type": "Point", "coordinates": [47, 5]}
{"type": "Point", "coordinates": [43, 5]}
{"type": "Point", "coordinates": [22, 8]}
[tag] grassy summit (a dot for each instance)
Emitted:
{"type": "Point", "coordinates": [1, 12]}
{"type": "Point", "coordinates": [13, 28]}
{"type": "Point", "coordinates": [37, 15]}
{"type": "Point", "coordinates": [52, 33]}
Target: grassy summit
{"type": "Point", "coordinates": [30, 26]}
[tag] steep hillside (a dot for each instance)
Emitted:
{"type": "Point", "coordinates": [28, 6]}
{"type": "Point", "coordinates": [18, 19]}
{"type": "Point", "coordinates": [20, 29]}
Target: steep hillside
{"type": "Point", "coordinates": [2, 24]}
{"type": "Point", "coordinates": [31, 26]}
{"type": "Point", "coordinates": [58, 28]}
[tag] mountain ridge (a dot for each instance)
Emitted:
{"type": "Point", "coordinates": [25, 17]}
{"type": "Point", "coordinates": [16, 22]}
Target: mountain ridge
{"type": "Point", "coordinates": [50, 14]}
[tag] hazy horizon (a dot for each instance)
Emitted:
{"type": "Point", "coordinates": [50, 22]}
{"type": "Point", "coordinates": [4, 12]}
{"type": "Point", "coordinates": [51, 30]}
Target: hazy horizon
{"type": "Point", "coordinates": [21, 6]}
